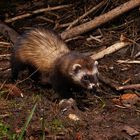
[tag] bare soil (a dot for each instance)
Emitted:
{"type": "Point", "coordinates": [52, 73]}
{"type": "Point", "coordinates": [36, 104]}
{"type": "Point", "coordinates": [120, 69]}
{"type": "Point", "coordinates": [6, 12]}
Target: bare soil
{"type": "Point", "coordinates": [100, 118]}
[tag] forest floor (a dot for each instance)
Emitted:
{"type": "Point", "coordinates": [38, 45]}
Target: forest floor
{"type": "Point", "coordinates": [102, 114]}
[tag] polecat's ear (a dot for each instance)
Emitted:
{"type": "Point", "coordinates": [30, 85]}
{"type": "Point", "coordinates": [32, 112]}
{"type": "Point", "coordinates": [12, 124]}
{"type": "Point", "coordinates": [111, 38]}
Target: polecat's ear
{"type": "Point", "coordinates": [76, 68]}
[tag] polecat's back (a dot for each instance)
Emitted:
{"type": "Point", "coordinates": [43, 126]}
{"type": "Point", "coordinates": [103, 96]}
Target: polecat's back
{"type": "Point", "coordinates": [40, 48]}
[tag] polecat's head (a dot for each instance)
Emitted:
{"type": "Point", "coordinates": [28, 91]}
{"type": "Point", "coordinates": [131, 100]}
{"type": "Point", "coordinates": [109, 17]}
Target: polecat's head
{"type": "Point", "coordinates": [84, 72]}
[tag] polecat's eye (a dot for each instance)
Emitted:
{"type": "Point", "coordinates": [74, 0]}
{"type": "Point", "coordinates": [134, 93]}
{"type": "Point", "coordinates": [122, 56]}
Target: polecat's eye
{"type": "Point", "coordinates": [86, 77]}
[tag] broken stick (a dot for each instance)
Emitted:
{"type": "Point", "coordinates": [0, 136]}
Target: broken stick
{"type": "Point", "coordinates": [110, 50]}
{"type": "Point", "coordinates": [133, 86]}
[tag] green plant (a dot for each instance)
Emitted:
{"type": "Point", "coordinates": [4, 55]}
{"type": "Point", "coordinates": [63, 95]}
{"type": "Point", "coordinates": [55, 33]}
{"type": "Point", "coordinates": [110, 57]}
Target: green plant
{"type": "Point", "coordinates": [6, 133]}
{"type": "Point", "coordinates": [27, 122]}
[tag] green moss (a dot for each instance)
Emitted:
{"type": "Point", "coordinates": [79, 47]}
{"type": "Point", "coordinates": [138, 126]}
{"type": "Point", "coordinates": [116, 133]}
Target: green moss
{"type": "Point", "coordinates": [56, 125]}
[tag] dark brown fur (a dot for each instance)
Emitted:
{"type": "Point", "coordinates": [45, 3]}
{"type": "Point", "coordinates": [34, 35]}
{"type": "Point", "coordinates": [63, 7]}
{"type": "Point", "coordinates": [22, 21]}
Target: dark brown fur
{"type": "Point", "coordinates": [60, 76]}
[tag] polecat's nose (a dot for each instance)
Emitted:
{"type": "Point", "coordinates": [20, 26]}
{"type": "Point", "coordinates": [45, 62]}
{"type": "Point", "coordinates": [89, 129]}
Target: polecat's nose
{"type": "Point", "coordinates": [97, 84]}
{"type": "Point", "coordinates": [91, 85]}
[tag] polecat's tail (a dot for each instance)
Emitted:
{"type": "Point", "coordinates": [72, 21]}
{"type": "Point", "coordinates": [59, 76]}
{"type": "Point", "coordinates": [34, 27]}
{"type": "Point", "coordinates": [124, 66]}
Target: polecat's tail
{"type": "Point", "coordinates": [8, 32]}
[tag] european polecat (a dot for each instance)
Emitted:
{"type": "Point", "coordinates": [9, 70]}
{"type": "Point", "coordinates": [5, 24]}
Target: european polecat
{"type": "Point", "coordinates": [48, 57]}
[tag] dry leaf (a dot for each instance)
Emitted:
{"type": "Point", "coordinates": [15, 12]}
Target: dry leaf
{"type": "Point", "coordinates": [127, 100]}
{"type": "Point", "coordinates": [74, 117]}
{"type": "Point", "coordinates": [130, 131]}
{"type": "Point", "coordinates": [78, 136]}
{"type": "Point", "coordinates": [18, 130]}
{"type": "Point", "coordinates": [13, 90]}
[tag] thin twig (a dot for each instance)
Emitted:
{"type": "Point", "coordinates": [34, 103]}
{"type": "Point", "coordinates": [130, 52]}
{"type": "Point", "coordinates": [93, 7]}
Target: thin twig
{"type": "Point", "coordinates": [96, 38]}
{"type": "Point", "coordinates": [62, 25]}
{"type": "Point", "coordinates": [5, 69]}
{"type": "Point", "coordinates": [36, 12]}
{"type": "Point", "coordinates": [5, 56]}
{"type": "Point", "coordinates": [137, 55]}
{"type": "Point", "coordinates": [4, 43]}
{"type": "Point", "coordinates": [5, 115]}
{"type": "Point", "coordinates": [45, 19]}
{"type": "Point", "coordinates": [18, 82]}
{"type": "Point", "coordinates": [2, 84]}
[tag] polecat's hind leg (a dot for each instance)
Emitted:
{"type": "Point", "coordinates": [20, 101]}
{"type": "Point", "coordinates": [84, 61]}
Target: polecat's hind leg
{"type": "Point", "coordinates": [16, 67]}
{"type": "Point", "coordinates": [33, 73]}
{"type": "Point", "coordinates": [40, 78]}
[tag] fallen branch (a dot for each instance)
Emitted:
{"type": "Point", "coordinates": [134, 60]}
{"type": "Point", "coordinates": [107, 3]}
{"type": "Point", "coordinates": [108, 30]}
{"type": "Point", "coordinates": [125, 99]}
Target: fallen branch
{"type": "Point", "coordinates": [96, 22]}
{"type": "Point", "coordinates": [4, 43]}
{"type": "Point", "coordinates": [133, 86]}
{"type": "Point", "coordinates": [35, 12]}
{"type": "Point", "coordinates": [87, 13]}
{"type": "Point", "coordinates": [5, 69]}
{"type": "Point", "coordinates": [110, 50]}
